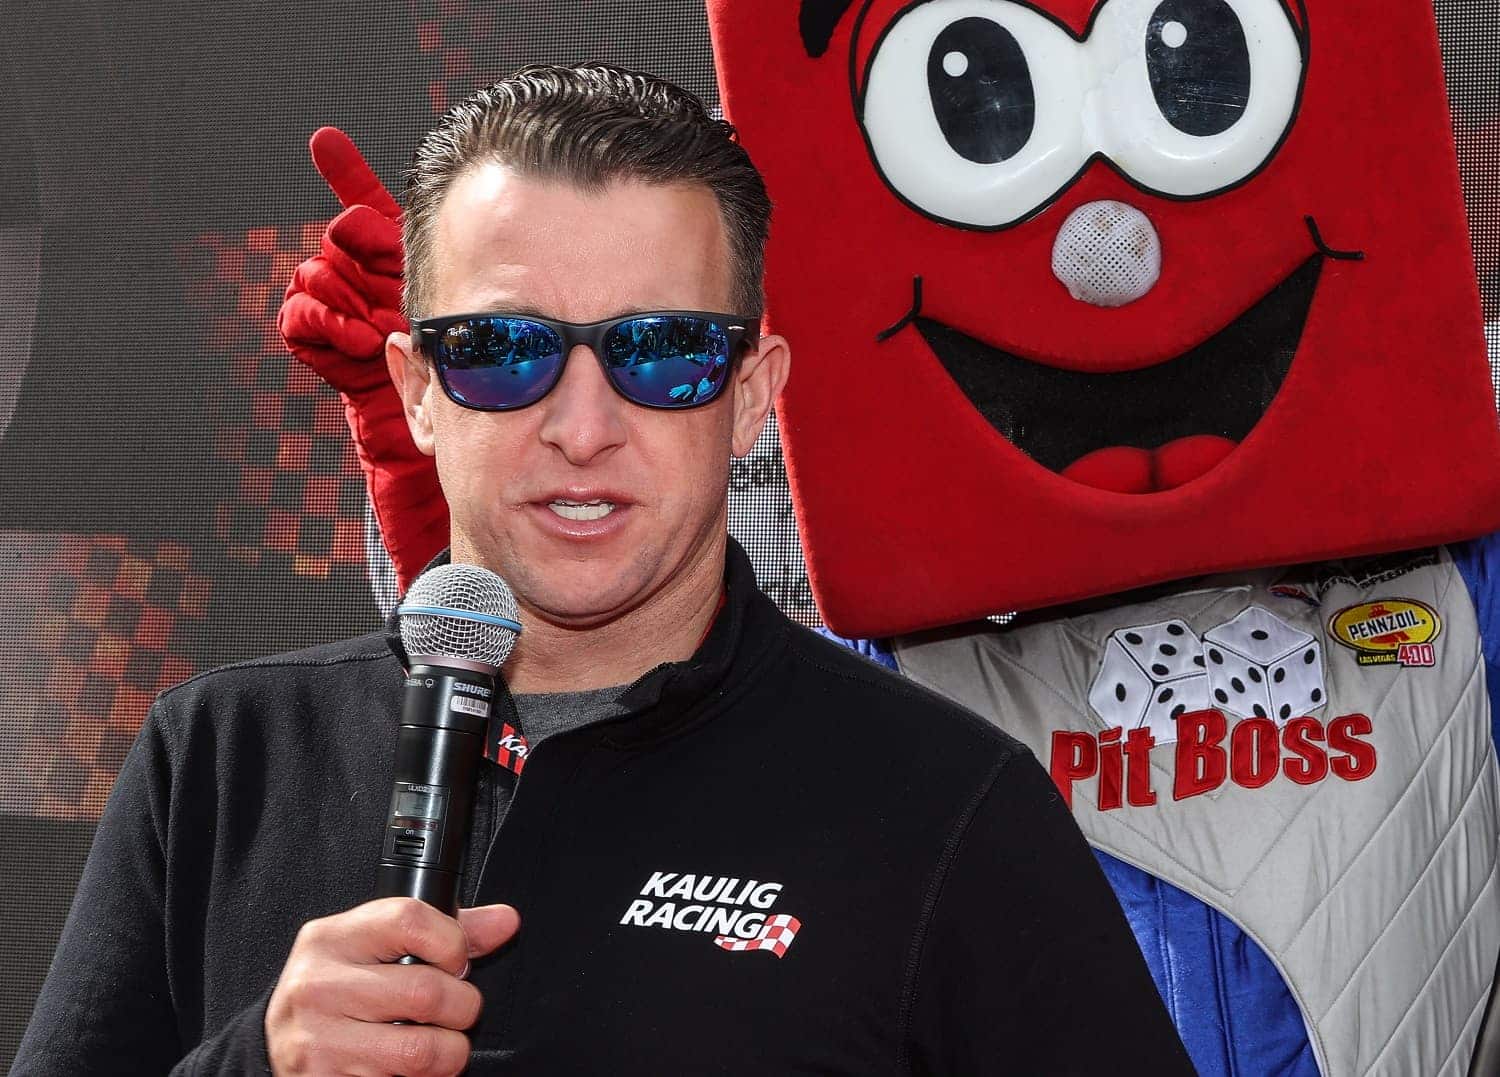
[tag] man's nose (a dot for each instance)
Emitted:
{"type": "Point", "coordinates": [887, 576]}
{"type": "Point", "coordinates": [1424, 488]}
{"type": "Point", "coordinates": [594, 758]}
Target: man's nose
{"type": "Point", "coordinates": [584, 415]}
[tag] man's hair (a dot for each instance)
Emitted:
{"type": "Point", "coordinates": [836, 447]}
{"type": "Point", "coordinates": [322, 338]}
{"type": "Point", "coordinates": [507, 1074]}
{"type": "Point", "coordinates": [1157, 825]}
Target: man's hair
{"type": "Point", "coordinates": [589, 125]}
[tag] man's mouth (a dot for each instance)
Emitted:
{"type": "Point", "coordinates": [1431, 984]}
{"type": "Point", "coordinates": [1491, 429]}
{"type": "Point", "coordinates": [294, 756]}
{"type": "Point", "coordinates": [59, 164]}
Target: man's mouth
{"type": "Point", "coordinates": [581, 510]}
{"type": "Point", "coordinates": [1137, 431]}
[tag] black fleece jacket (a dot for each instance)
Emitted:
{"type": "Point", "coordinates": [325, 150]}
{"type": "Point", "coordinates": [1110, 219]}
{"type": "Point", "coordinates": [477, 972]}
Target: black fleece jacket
{"type": "Point", "coordinates": [946, 916]}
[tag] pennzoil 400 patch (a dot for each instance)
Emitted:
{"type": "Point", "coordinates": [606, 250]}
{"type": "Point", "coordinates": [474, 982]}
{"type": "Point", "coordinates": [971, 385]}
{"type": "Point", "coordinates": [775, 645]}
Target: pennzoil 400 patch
{"type": "Point", "coordinates": [1388, 631]}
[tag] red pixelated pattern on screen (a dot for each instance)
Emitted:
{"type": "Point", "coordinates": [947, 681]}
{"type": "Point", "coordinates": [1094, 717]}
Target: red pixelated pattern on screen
{"type": "Point", "coordinates": [297, 499]}
{"type": "Point", "coordinates": [118, 616]}
{"type": "Point", "coordinates": [449, 34]}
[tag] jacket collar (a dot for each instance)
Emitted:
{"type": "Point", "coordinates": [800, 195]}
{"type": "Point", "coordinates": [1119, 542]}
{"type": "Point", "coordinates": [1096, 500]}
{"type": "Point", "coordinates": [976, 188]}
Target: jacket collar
{"type": "Point", "coordinates": [661, 698]}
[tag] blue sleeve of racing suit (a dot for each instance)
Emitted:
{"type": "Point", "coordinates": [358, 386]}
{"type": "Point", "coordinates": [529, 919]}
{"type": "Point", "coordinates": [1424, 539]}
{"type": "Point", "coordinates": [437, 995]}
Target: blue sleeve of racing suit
{"type": "Point", "coordinates": [874, 649]}
{"type": "Point", "coordinates": [1230, 1005]}
{"type": "Point", "coordinates": [1479, 564]}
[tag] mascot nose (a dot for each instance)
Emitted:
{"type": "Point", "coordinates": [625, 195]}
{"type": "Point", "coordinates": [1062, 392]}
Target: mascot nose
{"type": "Point", "coordinates": [1107, 253]}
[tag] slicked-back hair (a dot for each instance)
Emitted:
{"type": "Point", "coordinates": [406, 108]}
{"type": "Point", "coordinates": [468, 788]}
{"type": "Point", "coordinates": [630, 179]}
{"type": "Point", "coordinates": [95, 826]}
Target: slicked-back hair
{"type": "Point", "coordinates": [588, 125]}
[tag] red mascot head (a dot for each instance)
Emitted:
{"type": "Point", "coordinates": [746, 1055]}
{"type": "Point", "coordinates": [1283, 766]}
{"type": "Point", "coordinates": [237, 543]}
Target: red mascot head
{"type": "Point", "coordinates": [1091, 295]}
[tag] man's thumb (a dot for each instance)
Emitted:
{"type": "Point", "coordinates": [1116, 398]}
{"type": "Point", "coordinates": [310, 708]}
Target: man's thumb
{"type": "Point", "coordinates": [488, 926]}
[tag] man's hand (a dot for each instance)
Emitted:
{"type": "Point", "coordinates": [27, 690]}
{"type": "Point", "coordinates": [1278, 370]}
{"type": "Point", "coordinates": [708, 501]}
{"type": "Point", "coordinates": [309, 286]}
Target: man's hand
{"type": "Point", "coordinates": [339, 308]}
{"type": "Point", "coordinates": [339, 992]}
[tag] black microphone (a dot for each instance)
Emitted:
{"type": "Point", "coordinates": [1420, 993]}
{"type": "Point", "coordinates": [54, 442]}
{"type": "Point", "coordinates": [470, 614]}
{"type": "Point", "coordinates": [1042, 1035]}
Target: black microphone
{"type": "Point", "coordinates": [458, 624]}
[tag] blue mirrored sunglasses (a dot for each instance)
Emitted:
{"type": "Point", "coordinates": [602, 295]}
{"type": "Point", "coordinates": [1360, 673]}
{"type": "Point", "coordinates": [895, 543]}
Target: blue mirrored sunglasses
{"type": "Point", "coordinates": [658, 359]}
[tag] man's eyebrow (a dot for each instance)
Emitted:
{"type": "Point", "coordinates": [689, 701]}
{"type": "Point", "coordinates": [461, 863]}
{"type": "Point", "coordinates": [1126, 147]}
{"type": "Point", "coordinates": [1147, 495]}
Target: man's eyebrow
{"type": "Point", "coordinates": [502, 305]}
{"type": "Point", "coordinates": [527, 310]}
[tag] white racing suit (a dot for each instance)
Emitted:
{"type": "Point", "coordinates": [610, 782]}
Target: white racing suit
{"type": "Point", "coordinates": [1290, 778]}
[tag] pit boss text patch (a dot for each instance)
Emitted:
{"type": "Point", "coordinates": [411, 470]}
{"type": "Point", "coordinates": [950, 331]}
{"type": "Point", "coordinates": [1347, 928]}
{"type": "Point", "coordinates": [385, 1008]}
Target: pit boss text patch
{"type": "Point", "coordinates": [1211, 749]}
{"type": "Point", "coordinates": [1240, 703]}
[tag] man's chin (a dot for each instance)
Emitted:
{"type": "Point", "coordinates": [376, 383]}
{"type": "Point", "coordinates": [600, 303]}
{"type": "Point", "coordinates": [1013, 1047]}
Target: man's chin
{"type": "Point", "coordinates": [578, 595]}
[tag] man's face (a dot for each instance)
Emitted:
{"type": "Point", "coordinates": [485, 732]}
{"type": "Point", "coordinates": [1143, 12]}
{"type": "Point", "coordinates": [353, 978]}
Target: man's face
{"type": "Point", "coordinates": [586, 503]}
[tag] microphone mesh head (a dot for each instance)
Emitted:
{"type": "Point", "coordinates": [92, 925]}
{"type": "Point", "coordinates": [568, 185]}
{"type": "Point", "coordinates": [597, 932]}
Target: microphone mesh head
{"type": "Point", "coordinates": [449, 612]}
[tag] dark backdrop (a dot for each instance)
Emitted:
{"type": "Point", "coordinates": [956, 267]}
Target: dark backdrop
{"type": "Point", "coordinates": [174, 492]}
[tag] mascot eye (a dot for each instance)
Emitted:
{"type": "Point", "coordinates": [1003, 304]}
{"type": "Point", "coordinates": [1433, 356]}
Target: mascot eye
{"type": "Point", "coordinates": [973, 110]}
{"type": "Point", "coordinates": [981, 90]}
{"type": "Point", "coordinates": [1201, 91]}
{"type": "Point", "coordinates": [1198, 64]}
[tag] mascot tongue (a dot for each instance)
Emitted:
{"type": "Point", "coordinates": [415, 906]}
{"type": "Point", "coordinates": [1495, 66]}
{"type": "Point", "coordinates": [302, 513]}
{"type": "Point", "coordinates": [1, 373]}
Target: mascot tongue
{"type": "Point", "coordinates": [1126, 470]}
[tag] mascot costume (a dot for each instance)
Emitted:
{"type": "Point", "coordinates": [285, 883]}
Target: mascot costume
{"type": "Point", "coordinates": [1092, 297]}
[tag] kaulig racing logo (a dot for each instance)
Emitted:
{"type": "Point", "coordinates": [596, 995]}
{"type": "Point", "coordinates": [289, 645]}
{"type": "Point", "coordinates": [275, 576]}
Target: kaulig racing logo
{"type": "Point", "coordinates": [735, 911]}
{"type": "Point", "coordinates": [1238, 704]}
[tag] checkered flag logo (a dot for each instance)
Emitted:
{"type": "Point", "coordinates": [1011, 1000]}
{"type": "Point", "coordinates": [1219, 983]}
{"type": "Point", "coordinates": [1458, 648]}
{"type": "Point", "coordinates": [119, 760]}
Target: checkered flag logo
{"type": "Point", "coordinates": [776, 936]}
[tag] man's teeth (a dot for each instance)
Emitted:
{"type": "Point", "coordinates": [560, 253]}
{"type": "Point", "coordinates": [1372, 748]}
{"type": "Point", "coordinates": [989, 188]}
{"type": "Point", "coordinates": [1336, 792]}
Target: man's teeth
{"type": "Point", "coordinates": [582, 510]}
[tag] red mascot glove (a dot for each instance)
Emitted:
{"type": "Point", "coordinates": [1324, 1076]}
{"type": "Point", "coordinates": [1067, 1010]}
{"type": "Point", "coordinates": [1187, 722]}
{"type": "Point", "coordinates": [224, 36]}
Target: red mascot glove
{"type": "Point", "coordinates": [338, 310]}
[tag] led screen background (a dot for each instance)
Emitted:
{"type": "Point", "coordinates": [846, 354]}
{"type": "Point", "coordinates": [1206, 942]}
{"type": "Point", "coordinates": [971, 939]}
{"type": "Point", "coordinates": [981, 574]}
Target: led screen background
{"type": "Point", "coordinates": [175, 492]}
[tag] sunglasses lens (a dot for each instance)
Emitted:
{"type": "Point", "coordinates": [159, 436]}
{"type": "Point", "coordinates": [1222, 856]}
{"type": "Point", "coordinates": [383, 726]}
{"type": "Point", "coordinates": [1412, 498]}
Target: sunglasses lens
{"type": "Point", "coordinates": [498, 362]}
{"type": "Point", "coordinates": [668, 361]}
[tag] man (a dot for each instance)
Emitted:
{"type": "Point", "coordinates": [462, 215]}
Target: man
{"type": "Point", "coordinates": [737, 846]}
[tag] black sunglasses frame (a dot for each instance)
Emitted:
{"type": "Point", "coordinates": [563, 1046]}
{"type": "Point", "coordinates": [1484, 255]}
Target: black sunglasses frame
{"type": "Point", "coordinates": [741, 332]}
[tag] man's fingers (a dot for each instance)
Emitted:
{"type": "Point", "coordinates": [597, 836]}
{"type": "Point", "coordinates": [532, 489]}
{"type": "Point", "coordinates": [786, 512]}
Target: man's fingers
{"type": "Point", "coordinates": [353, 182]}
{"type": "Point", "coordinates": [360, 1048]}
{"type": "Point", "coordinates": [371, 239]}
{"type": "Point", "coordinates": [388, 928]}
{"type": "Point", "coordinates": [416, 928]}
{"type": "Point", "coordinates": [420, 993]}
{"type": "Point", "coordinates": [367, 1049]}
{"type": "Point", "coordinates": [421, 1050]}
{"type": "Point", "coordinates": [488, 926]}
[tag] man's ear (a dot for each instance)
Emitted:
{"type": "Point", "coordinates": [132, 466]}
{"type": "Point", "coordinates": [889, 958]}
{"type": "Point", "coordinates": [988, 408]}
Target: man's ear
{"type": "Point", "coordinates": [757, 383]}
{"type": "Point", "coordinates": [415, 384]}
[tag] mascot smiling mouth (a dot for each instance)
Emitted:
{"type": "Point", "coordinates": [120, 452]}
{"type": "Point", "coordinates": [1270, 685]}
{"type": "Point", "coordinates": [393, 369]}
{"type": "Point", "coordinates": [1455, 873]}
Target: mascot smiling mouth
{"type": "Point", "coordinates": [1138, 431]}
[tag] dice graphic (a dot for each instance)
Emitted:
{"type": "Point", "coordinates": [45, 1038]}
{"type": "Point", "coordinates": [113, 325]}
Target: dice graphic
{"type": "Point", "coordinates": [1166, 651]}
{"type": "Point", "coordinates": [1171, 699]}
{"type": "Point", "coordinates": [1260, 666]}
{"type": "Point", "coordinates": [1150, 674]}
{"type": "Point", "coordinates": [1236, 684]}
{"type": "Point", "coordinates": [1297, 683]}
